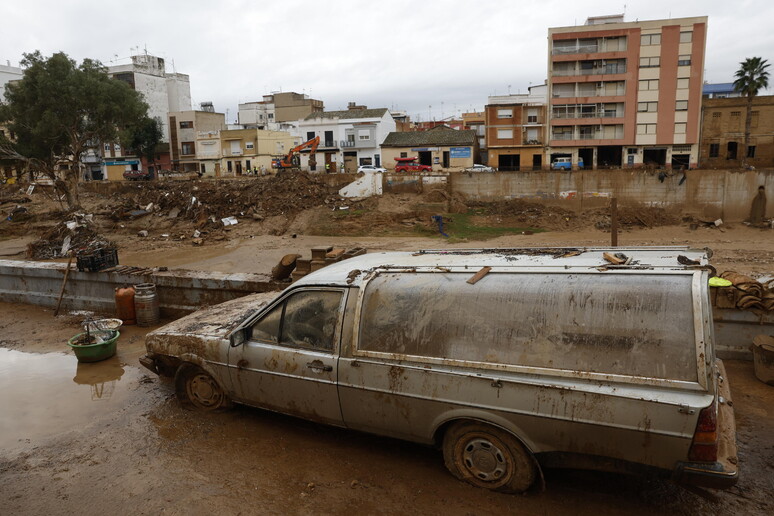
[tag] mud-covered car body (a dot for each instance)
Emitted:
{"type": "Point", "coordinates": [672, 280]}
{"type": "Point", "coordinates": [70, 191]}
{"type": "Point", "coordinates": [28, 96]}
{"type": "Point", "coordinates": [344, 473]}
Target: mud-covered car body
{"type": "Point", "coordinates": [581, 362]}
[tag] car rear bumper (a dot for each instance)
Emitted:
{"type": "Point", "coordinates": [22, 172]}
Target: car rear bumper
{"type": "Point", "coordinates": [148, 362]}
{"type": "Point", "coordinates": [713, 475]}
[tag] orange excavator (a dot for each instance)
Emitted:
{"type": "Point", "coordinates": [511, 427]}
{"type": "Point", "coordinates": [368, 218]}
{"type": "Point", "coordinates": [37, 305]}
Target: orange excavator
{"type": "Point", "coordinates": [293, 159]}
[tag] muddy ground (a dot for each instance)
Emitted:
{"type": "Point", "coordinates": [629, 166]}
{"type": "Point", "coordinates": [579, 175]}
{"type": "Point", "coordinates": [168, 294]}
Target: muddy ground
{"type": "Point", "coordinates": [111, 438]}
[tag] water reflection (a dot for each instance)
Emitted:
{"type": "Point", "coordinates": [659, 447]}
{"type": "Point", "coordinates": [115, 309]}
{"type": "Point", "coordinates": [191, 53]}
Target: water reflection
{"type": "Point", "coordinates": [101, 376]}
{"type": "Point", "coordinates": [41, 398]}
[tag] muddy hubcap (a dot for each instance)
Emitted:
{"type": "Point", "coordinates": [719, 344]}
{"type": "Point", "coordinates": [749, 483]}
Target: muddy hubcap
{"type": "Point", "coordinates": [484, 460]}
{"type": "Point", "coordinates": [203, 391]}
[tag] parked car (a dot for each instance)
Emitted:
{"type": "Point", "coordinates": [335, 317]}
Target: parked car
{"type": "Point", "coordinates": [137, 175]}
{"type": "Point", "coordinates": [565, 164]}
{"type": "Point", "coordinates": [509, 360]}
{"type": "Point", "coordinates": [411, 165]}
{"type": "Point", "coordinates": [480, 168]}
{"type": "Point", "coordinates": [370, 169]}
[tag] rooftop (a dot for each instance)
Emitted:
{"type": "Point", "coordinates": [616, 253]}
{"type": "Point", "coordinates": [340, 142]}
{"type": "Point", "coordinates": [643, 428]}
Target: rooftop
{"type": "Point", "coordinates": [440, 135]}
{"type": "Point", "coordinates": [349, 114]}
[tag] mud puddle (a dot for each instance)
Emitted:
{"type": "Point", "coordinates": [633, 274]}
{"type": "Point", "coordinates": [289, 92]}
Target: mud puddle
{"type": "Point", "coordinates": [46, 394]}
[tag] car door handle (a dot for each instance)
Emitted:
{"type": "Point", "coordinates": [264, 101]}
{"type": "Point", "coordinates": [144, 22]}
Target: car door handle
{"type": "Point", "coordinates": [319, 365]}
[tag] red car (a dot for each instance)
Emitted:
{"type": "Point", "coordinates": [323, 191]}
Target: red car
{"type": "Point", "coordinates": [411, 165]}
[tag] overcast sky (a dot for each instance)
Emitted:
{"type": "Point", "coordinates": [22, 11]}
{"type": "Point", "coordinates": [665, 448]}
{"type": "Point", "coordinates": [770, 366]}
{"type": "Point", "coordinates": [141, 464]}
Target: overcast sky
{"type": "Point", "coordinates": [431, 58]}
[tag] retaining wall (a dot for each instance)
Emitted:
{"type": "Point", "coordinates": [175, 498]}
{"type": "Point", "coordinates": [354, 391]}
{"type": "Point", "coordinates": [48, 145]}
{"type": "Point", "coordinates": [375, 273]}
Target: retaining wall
{"type": "Point", "coordinates": [179, 292]}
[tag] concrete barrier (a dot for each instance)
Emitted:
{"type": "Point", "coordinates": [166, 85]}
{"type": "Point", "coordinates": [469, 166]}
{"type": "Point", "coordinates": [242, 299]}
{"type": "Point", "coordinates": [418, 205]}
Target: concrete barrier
{"type": "Point", "coordinates": [712, 194]}
{"type": "Point", "coordinates": [179, 292]}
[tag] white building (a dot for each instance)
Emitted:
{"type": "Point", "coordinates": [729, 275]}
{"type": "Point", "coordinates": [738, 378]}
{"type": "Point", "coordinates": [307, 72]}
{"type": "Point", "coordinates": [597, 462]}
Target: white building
{"type": "Point", "coordinates": [8, 73]}
{"type": "Point", "coordinates": [348, 138]}
{"type": "Point", "coordinates": [164, 92]}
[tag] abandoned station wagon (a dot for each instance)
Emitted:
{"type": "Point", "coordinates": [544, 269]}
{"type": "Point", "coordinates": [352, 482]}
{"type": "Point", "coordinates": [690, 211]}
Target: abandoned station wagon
{"type": "Point", "coordinates": [509, 360]}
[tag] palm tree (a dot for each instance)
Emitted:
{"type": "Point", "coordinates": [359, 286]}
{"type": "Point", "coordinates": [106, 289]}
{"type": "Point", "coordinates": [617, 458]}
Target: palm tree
{"type": "Point", "coordinates": [750, 78]}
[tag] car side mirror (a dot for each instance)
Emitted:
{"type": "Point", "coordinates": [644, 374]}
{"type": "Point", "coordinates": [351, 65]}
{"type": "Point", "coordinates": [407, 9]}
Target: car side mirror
{"type": "Point", "coordinates": [238, 337]}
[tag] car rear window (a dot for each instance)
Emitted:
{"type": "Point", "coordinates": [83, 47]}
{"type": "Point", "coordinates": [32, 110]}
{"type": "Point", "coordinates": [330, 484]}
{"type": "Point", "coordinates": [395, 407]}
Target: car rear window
{"type": "Point", "coordinates": [625, 324]}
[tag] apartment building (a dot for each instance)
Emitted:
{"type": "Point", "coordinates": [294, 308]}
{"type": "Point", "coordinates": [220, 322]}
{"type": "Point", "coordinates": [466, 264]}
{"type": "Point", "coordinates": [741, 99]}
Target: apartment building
{"type": "Point", "coordinates": [245, 150]}
{"type": "Point", "coordinates": [626, 94]}
{"type": "Point", "coordinates": [195, 141]}
{"type": "Point", "coordinates": [164, 92]}
{"type": "Point", "coordinates": [516, 130]}
{"type": "Point", "coordinates": [276, 110]}
{"type": "Point", "coordinates": [476, 121]}
{"type": "Point", "coordinates": [348, 138]}
{"type": "Point", "coordinates": [8, 73]}
{"type": "Point", "coordinates": [722, 132]}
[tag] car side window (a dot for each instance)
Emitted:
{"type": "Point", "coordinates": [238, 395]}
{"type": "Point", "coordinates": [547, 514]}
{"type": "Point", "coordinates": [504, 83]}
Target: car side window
{"type": "Point", "coordinates": [267, 328]}
{"type": "Point", "coordinates": [310, 320]}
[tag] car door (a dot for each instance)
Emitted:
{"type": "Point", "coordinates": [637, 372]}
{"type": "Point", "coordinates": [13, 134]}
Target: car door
{"type": "Point", "coordinates": [288, 363]}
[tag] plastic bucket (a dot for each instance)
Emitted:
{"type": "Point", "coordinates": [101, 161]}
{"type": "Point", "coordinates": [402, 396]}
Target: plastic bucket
{"type": "Point", "coordinates": [94, 352]}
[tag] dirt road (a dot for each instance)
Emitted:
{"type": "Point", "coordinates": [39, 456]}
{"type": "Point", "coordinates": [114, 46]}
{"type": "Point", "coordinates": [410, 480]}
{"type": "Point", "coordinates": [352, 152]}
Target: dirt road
{"type": "Point", "coordinates": [108, 438]}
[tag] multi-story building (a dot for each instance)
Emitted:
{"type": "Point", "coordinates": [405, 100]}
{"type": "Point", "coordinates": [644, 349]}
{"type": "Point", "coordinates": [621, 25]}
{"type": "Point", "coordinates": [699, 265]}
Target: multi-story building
{"type": "Point", "coordinates": [626, 94]}
{"type": "Point", "coordinates": [163, 92]}
{"type": "Point", "coordinates": [516, 130]}
{"type": "Point", "coordinates": [276, 110]}
{"type": "Point", "coordinates": [8, 73]}
{"type": "Point", "coordinates": [246, 150]}
{"type": "Point", "coordinates": [194, 141]}
{"type": "Point", "coordinates": [348, 138]}
{"type": "Point", "coordinates": [476, 121]}
{"type": "Point", "coordinates": [722, 132]}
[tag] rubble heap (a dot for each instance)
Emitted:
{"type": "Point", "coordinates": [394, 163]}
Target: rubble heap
{"type": "Point", "coordinates": [78, 235]}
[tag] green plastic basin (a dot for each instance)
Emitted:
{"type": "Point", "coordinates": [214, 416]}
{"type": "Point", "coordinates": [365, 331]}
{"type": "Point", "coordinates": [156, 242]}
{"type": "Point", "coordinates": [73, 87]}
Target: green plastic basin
{"type": "Point", "coordinates": [94, 352]}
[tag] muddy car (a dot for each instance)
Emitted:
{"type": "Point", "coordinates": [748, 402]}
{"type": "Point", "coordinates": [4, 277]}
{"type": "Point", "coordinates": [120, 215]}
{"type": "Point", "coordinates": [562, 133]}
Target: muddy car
{"type": "Point", "coordinates": [508, 360]}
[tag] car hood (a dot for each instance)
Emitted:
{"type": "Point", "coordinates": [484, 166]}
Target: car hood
{"type": "Point", "coordinates": [218, 320]}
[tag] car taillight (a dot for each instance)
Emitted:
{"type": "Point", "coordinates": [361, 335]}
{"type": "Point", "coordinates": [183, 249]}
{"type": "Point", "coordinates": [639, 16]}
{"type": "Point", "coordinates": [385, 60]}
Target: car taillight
{"type": "Point", "coordinates": [705, 439]}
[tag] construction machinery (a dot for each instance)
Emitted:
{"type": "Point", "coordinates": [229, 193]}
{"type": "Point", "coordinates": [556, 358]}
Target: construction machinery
{"type": "Point", "coordinates": [293, 158]}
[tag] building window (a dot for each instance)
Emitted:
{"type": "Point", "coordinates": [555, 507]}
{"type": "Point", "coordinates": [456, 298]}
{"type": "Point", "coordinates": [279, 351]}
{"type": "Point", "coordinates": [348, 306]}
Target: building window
{"type": "Point", "coordinates": [363, 134]}
{"type": "Point", "coordinates": [751, 151]}
{"type": "Point", "coordinates": [562, 133]}
{"type": "Point", "coordinates": [681, 105]}
{"type": "Point", "coordinates": [646, 128]}
{"type": "Point", "coordinates": [404, 154]}
{"type": "Point", "coordinates": [680, 128]}
{"type": "Point", "coordinates": [229, 166]}
{"type": "Point", "coordinates": [686, 37]}
{"type": "Point", "coordinates": [647, 107]}
{"type": "Point", "coordinates": [714, 150]}
{"type": "Point", "coordinates": [650, 84]}
{"type": "Point", "coordinates": [505, 134]}
{"type": "Point", "coordinates": [736, 114]}
{"type": "Point", "coordinates": [684, 61]}
{"type": "Point", "coordinates": [631, 150]}
{"type": "Point", "coordinates": [504, 113]}
{"type": "Point", "coordinates": [682, 84]}
{"type": "Point", "coordinates": [754, 118]}
{"type": "Point", "coordinates": [650, 39]}
{"type": "Point", "coordinates": [716, 114]}
{"type": "Point", "coordinates": [531, 119]}
{"type": "Point", "coordinates": [650, 62]}
{"type": "Point", "coordinates": [187, 148]}
{"type": "Point", "coordinates": [186, 125]}
{"type": "Point", "coordinates": [107, 147]}
{"type": "Point", "coordinates": [271, 116]}
{"type": "Point", "coordinates": [731, 148]}
{"type": "Point", "coordinates": [309, 135]}
{"type": "Point", "coordinates": [249, 145]}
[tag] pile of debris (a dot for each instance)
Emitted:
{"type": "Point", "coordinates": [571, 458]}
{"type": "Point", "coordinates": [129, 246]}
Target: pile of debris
{"type": "Point", "coordinates": [202, 200]}
{"type": "Point", "coordinates": [78, 235]}
{"type": "Point", "coordinates": [745, 293]}
{"type": "Point", "coordinates": [531, 213]}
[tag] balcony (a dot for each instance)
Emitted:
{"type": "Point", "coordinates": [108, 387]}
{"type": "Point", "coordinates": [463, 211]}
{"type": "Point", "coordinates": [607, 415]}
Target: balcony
{"type": "Point", "coordinates": [575, 49]}
{"type": "Point", "coordinates": [532, 142]}
{"type": "Point", "coordinates": [600, 70]}
{"type": "Point", "coordinates": [347, 143]}
{"type": "Point", "coordinates": [235, 153]}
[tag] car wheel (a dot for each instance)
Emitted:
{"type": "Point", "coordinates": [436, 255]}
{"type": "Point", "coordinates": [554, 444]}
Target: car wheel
{"type": "Point", "coordinates": [195, 388]}
{"type": "Point", "coordinates": [488, 457]}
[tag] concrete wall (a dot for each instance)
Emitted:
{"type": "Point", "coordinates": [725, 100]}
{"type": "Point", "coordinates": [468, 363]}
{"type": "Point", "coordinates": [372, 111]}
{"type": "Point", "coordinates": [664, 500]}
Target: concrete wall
{"type": "Point", "coordinates": [709, 194]}
{"type": "Point", "coordinates": [179, 292]}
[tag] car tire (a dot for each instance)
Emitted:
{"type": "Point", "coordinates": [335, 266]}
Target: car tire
{"type": "Point", "coordinates": [197, 389]}
{"type": "Point", "coordinates": [489, 457]}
